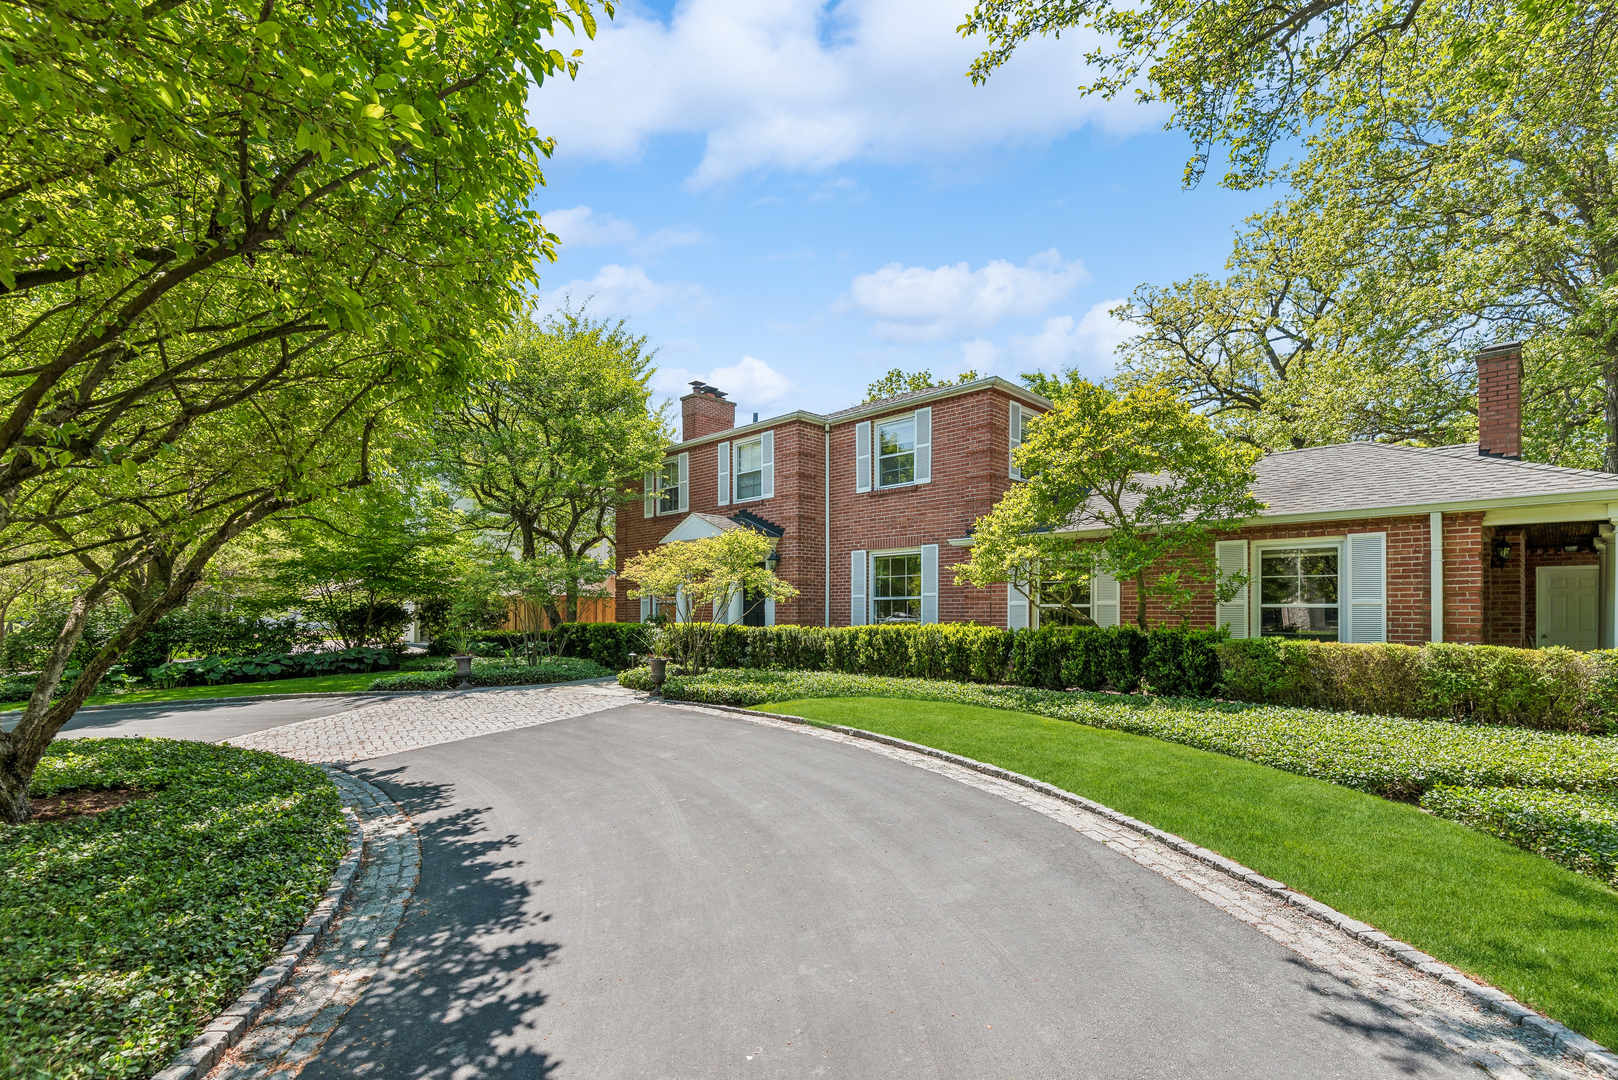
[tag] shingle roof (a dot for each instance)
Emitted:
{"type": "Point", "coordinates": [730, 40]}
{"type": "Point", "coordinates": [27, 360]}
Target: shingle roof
{"type": "Point", "coordinates": [1367, 475]}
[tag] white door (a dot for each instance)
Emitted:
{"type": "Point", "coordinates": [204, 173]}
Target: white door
{"type": "Point", "coordinates": [1566, 606]}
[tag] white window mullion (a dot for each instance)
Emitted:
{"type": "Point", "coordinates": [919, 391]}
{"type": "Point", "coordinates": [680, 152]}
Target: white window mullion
{"type": "Point", "coordinates": [724, 474]}
{"type": "Point", "coordinates": [856, 588]}
{"type": "Point", "coordinates": [768, 444]}
{"type": "Point", "coordinates": [862, 456]}
{"type": "Point", "coordinates": [924, 446]}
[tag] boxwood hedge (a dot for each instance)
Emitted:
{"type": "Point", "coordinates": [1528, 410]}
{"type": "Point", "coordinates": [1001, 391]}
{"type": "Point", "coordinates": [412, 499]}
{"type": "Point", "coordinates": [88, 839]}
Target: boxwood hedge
{"type": "Point", "coordinates": [552, 669]}
{"type": "Point", "coordinates": [1388, 756]}
{"type": "Point", "coordinates": [122, 933]}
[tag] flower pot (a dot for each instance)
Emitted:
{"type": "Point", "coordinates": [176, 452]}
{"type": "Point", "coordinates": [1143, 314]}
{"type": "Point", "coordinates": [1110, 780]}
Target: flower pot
{"type": "Point", "coordinates": [463, 668]}
{"type": "Point", "coordinates": [659, 666]}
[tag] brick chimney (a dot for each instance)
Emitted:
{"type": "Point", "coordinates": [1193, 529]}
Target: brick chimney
{"type": "Point", "coordinates": [1500, 400]}
{"type": "Point", "coordinates": [704, 411]}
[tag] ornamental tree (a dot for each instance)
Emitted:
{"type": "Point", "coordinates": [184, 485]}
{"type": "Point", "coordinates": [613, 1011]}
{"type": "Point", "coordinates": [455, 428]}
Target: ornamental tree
{"type": "Point", "coordinates": [241, 249]}
{"type": "Point", "coordinates": [1133, 484]}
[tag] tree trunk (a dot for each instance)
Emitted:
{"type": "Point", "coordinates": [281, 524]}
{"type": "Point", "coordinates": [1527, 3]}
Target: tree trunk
{"type": "Point", "coordinates": [526, 528]}
{"type": "Point", "coordinates": [1140, 599]}
{"type": "Point", "coordinates": [572, 588]}
{"type": "Point", "coordinates": [1610, 402]}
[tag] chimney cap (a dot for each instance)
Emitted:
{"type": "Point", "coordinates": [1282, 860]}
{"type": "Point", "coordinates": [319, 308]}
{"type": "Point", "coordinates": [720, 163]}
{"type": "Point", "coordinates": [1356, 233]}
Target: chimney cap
{"type": "Point", "coordinates": [700, 387]}
{"type": "Point", "coordinates": [1500, 348]}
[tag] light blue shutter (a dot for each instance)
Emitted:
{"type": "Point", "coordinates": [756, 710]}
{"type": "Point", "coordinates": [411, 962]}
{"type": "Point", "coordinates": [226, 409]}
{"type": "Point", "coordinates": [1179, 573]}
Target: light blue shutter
{"type": "Point", "coordinates": [1366, 576]}
{"type": "Point", "coordinates": [767, 449]}
{"type": "Point", "coordinates": [1104, 600]}
{"type": "Point", "coordinates": [1016, 609]}
{"type": "Point", "coordinates": [769, 613]}
{"type": "Point", "coordinates": [685, 482]}
{"type": "Point", "coordinates": [862, 456]}
{"type": "Point", "coordinates": [645, 609]}
{"type": "Point", "coordinates": [649, 491]}
{"type": "Point", "coordinates": [856, 587]}
{"type": "Point", "coordinates": [924, 446]}
{"type": "Point", "coordinates": [1016, 439]}
{"type": "Point", "coordinates": [1231, 556]}
{"type": "Point", "coordinates": [724, 474]}
{"type": "Point", "coordinates": [929, 583]}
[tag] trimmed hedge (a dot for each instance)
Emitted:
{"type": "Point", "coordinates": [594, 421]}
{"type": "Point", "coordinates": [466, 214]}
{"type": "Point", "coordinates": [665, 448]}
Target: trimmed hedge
{"type": "Point", "coordinates": [608, 644]}
{"type": "Point", "coordinates": [1553, 689]}
{"type": "Point", "coordinates": [1387, 756]}
{"type": "Point", "coordinates": [122, 933]}
{"type": "Point", "coordinates": [552, 669]}
{"type": "Point", "coordinates": [1580, 831]}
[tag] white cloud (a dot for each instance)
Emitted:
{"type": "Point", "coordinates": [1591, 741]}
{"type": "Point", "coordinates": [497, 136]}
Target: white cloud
{"type": "Point", "coordinates": [914, 303]}
{"type": "Point", "coordinates": [750, 382]}
{"type": "Point", "coordinates": [579, 226]}
{"type": "Point", "coordinates": [980, 355]}
{"type": "Point", "coordinates": [1087, 344]}
{"type": "Point", "coordinates": [811, 84]}
{"type": "Point", "coordinates": [626, 290]}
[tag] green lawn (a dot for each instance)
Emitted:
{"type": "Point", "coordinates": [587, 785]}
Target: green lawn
{"type": "Point", "coordinates": [313, 684]}
{"type": "Point", "coordinates": [1545, 935]}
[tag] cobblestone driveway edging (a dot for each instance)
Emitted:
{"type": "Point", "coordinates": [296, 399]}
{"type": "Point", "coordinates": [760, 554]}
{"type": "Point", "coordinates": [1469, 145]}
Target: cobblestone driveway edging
{"type": "Point", "coordinates": [1598, 1059]}
{"type": "Point", "coordinates": [226, 1029]}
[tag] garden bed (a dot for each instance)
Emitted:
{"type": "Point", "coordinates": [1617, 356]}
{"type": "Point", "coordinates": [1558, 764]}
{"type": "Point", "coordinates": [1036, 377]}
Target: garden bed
{"type": "Point", "coordinates": [551, 669]}
{"type": "Point", "coordinates": [125, 929]}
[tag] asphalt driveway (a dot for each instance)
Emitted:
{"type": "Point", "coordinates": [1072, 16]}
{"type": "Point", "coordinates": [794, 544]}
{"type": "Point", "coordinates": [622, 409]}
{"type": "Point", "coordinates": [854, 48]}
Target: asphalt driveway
{"type": "Point", "coordinates": [650, 892]}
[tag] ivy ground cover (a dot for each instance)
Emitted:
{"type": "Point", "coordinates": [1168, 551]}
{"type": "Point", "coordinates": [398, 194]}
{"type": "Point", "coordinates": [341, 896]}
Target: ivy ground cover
{"type": "Point", "coordinates": [122, 933]}
{"type": "Point", "coordinates": [1542, 933]}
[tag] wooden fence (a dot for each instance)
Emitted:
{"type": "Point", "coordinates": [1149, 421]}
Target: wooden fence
{"type": "Point", "coordinates": [530, 616]}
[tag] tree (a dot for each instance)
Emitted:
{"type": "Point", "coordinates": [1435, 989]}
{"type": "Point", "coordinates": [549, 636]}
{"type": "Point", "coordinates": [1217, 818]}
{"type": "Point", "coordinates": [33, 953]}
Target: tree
{"type": "Point", "coordinates": [543, 444]}
{"type": "Point", "coordinates": [1132, 484]}
{"type": "Point", "coordinates": [240, 246]}
{"type": "Point", "coordinates": [523, 589]}
{"type": "Point", "coordinates": [707, 573]}
{"type": "Point", "coordinates": [901, 382]}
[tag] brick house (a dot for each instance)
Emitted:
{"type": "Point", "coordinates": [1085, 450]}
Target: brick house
{"type": "Point", "coordinates": [862, 504]}
{"type": "Point", "coordinates": [870, 508]}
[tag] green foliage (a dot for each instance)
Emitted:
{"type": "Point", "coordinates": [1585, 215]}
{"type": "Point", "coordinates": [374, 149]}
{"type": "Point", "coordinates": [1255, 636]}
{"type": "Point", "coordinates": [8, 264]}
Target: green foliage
{"type": "Point", "coordinates": [1381, 755]}
{"type": "Point", "coordinates": [1131, 483]}
{"type": "Point", "coordinates": [213, 670]}
{"type": "Point", "coordinates": [552, 669]}
{"type": "Point", "coordinates": [897, 382]}
{"type": "Point", "coordinates": [123, 932]}
{"type": "Point", "coordinates": [1552, 689]}
{"type": "Point", "coordinates": [1580, 831]}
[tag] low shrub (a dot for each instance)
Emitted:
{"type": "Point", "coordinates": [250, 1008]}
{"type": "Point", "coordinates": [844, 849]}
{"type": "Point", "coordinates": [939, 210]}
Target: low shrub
{"type": "Point", "coordinates": [1578, 830]}
{"type": "Point", "coordinates": [212, 670]}
{"type": "Point", "coordinates": [1381, 755]}
{"type": "Point", "coordinates": [427, 663]}
{"type": "Point", "coordinates": [122, 933]}
{"type": "Point", "coordinates": [1552, 689]}
{"type": "Point", "coordinates": [552, 669]}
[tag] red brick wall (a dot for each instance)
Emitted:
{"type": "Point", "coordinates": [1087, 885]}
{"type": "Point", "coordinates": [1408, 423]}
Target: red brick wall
{"type": "Point", "coordinates": [703, 414]}
{"type": "Point", "coordinates": [1465, 558]}
{"type": "Point", "coordinates": [1507, 590]}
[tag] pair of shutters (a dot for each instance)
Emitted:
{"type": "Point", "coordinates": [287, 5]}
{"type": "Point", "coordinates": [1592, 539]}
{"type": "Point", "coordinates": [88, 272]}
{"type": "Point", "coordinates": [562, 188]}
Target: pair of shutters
{"type": "Point", "coordinates": [1103, 603]}
{"type": "Point", "coordinates": [1362, 592]}
{"type": "Point", "coordinates": [767, 481]}
{"type": "Point", "coordinates": [650, 490]}
{"type": "Point", "coordinates": [864, 455]}
{"type": "Point", "coordinates": [859, 600]}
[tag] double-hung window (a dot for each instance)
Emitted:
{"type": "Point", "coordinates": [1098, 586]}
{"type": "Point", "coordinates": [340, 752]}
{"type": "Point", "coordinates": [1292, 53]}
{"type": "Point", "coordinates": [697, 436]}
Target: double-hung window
{"type": "Point", "coordinates": [668, 488]}
{"type": "Point", "coordinates": [896, 452]}
{"type": "Point", "coordinates": [896, 588]}
{"type": "Point", "coordinates": [749, 470]}
{"type": "Point", "coordinates": [1066, 603]}
{"type": "Point", "coordinates": [1298, 592]}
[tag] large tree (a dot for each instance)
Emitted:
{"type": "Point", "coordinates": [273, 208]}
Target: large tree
{"type": "Point", "coordinates": [240, 245]}
{"type": "Point", "coordinates": [1131, 484]}
{"type": "Point", "coordinates": [542, 445]}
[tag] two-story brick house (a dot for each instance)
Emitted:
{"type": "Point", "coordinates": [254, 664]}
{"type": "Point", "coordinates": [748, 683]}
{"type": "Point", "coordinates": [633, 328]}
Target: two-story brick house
{"type": "Point", "coordinates": [863, 503]}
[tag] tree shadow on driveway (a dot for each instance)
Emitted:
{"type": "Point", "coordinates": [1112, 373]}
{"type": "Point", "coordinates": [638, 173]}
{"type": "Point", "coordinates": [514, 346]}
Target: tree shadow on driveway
{"type": "Point", "coordinates": [458, 992]}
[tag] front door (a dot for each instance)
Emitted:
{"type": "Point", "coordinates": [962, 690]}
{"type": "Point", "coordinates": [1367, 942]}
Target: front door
{"type": "Point", "coordinates": [1566, 606]}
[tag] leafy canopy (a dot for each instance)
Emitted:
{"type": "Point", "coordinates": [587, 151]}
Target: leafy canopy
{"type": "Point", "coordinates": [897, 381]}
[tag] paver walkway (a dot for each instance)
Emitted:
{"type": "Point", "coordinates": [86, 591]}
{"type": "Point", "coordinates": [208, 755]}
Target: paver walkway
{"type": "Point", "coordinates": [410, 723]}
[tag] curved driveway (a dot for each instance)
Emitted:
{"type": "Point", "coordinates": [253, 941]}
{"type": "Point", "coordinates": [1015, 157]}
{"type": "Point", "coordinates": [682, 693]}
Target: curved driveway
{"type": "Point", "coordinates": [651, 892]}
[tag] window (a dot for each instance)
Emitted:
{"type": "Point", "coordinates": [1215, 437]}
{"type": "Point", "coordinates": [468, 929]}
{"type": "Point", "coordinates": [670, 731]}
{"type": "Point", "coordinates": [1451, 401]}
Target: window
{"type": "Point", "coordinates": [1064, 603]}
{"type": "Point", "coordinates": [1298, 592]}
{"type": "Point", "coordinates": [896, 452]}
{"type": "Point", "coordinates": [896, 588]}
{"type": "Point", "coordinates": [668, 488]}
{"type": "Point", "coordinates": [750, 470]}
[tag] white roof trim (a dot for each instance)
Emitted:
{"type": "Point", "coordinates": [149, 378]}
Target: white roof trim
{"type": "Point", "coordinates": [698, 526]}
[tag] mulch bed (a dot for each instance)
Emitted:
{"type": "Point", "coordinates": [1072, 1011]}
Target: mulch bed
{"type": "Point", "coordinates": [82, 801]}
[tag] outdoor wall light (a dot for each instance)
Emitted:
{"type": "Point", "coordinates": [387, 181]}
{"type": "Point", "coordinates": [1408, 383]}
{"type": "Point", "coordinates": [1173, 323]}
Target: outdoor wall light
{"type": "Point", "coordinates": [772, 560]}
{"type": "Point", "coordinates": [1502, 552]}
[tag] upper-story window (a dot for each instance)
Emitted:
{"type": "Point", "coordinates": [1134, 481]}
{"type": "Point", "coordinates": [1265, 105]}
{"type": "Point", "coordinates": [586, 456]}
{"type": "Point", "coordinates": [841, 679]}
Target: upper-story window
{"type": "Point", "coordinates": [749, 470]}
{"type": "Point", "coordinates": [896, 452]}
{"type": "Point", "coordinates": [668, 488]}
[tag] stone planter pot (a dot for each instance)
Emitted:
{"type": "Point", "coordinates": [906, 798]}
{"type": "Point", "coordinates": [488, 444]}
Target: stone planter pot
{"type": "Point", "coordinates": [463, 668]}
{"type": "Point", "coordinates": [659, 666]}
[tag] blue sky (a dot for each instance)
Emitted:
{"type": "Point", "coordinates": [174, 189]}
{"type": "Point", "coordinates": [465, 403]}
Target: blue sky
{"type": "Point", "coordinates": [791, 197]}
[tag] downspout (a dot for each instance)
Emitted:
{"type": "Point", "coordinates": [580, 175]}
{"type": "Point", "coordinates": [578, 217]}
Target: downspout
{"type": "Point", "coordinates": [825, 568]}
{"type": "Point", "coordinates": [1435, 543]}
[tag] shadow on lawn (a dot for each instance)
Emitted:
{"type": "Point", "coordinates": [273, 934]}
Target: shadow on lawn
{"type": "Point", "coordinates": [453, 997]}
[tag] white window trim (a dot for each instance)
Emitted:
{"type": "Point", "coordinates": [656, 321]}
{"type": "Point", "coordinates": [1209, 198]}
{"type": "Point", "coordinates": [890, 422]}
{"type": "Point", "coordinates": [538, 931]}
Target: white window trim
{"type": "Point", "coordinates": [876, 454]}
{"type": "Point", "coordinates": [682, 504]}
{"type": "Point", "coordinates": [870, 579]}
{"type": "Point", "coordinates": [736, 472]}
{"type": "Point", "coordinates": [1255, 599]}
{"type": "Point", "coordinates": [1035, 607]}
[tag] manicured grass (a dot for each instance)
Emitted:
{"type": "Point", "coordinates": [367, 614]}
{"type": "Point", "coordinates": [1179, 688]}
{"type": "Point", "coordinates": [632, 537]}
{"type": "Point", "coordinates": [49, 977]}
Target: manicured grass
{"type": "Point", "coordinates": [314, 684]}
{"type": "Point", "coordinates": [1542, 933]}
{"type": "Point", "coordinates": [123, 933]}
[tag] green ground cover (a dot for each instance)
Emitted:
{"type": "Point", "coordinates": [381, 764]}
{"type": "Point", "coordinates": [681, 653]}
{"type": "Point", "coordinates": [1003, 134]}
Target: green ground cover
{"type": "Point", "coordinates": [314, 684]}
{"type": "Point", "coordinates": [1542, 933]}
{"type": "Point", "coordinates": [122, 933]}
